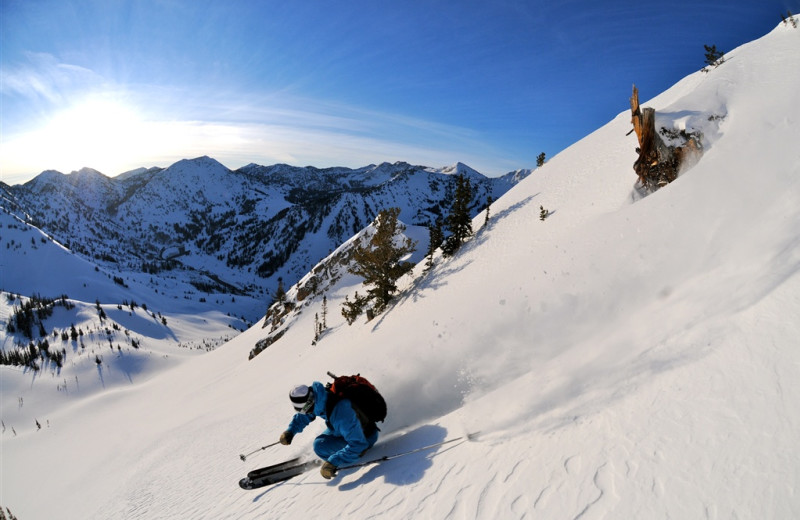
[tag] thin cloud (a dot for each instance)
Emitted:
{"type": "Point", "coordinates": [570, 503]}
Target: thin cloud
{"type": "Point", "coordinates": [237, 130]}
{"type": "Point", "coordinates": [317, 142]}
{"type": "Point", "coordinates": [44, 77]}
{"type": "Point", "coordinates": [322, 133]}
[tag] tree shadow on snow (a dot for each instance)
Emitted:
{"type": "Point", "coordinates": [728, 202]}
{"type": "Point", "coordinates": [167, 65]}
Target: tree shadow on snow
{"type": "Point", "coordinates": [100, 375]}
{"type": "Point", "coordinates": [503, 214]}
{"type": "Point", "coordinates": [403, 470]}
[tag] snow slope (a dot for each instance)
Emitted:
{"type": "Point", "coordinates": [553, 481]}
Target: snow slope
{"type": "Point", "coordinates": [624, 358]}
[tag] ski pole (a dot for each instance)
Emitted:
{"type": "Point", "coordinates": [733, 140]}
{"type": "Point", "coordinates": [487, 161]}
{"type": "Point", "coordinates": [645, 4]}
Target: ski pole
{"type": "Point", "coordinates": [468, 437]}
{"type": "Point", "coordinates": [262, 448]}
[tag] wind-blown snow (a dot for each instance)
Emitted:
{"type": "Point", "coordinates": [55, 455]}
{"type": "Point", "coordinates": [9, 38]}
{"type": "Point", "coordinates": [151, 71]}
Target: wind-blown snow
{"type": "Point", "coordinates": [624, 358]}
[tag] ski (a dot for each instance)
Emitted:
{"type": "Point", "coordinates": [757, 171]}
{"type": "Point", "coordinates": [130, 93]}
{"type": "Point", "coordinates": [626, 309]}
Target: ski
{"type": "Point", "coordinates": [283, 471]}
{"type": "Point", "coordinates": [277, 475]}
{"type": "Point", "coordinates": [271, 469]}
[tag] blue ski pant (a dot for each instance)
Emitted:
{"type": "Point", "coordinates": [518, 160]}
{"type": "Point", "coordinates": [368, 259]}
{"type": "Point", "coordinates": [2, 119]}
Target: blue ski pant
{"type": "Point", "coordinates": [328, 443]}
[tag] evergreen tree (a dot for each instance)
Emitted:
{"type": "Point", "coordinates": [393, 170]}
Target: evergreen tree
{"type": "Point", "coordinates": [436, 237]}
{"type": "Point", "coordinates": [714, 57]}
{"type": "Point", "coordinates": [279, 296]}
{"type": "Point", "coordinates": [488, 205]}
{"type": "Point", "coordinates": [100, 311]}
{"type": "Point", "coordinates": [380, 261]}
{"type": "Point", "coordinates": [280, 292]}
{"type": "Point", "coordinates": [540, 160]}
{"type": "Point", "coordinates": [459, 221]}
{"type": "Point", "coordinates": [789, 19]}
{"type": "Point", "coordinates": [351, 310]}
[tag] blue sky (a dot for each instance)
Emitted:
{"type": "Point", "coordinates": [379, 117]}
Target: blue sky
{"type": "Point", "coordinates": [116, 85]}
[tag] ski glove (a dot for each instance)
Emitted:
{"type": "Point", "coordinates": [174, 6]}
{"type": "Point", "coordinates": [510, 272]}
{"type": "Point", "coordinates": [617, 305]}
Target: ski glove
{"type": "Point", "coordinates": [286, 438]}
{"type": "Point", "coordinates": [328, 470]}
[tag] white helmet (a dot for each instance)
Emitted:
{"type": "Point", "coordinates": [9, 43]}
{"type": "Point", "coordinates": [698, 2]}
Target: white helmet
{"type": "Point", "coordinates": [302, 398]}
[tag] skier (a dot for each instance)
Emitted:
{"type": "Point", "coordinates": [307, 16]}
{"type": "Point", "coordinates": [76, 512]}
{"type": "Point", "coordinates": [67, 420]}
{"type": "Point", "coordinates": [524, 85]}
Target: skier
{"type": "Point", "coordinates": [348, 435]}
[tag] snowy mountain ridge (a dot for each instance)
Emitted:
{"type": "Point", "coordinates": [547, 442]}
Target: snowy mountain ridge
{"type": "Point", "coordinates": [249, 227]}
{"type": "Point", "coordinates": [623, 358]}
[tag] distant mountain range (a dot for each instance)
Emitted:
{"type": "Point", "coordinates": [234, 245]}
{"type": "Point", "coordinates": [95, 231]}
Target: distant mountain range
{"type": "Point", "coordinates": [233, 231]}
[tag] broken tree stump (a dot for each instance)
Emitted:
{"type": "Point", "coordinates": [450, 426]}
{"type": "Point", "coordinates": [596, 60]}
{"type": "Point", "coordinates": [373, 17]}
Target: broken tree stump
{"type": "Point", "coordinates": [658, 164]}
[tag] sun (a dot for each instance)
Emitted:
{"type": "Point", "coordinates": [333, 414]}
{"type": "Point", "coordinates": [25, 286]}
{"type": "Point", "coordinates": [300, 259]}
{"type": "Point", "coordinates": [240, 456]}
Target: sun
{"type": "Point", "coordinates": [100, 133]}
{"type": "Point", "coordinates": [92, 133]}
{"type": "Point", "coordinates": [95, 119]}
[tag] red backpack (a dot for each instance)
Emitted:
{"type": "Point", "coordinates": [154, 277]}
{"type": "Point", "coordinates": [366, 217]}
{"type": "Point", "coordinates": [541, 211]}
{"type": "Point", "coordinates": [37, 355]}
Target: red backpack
{"type": "Point", "coordinates": [362, 394]}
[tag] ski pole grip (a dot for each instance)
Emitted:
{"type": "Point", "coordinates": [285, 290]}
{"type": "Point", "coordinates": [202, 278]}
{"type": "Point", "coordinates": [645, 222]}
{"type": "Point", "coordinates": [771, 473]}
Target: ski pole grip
{"type": "Point", "coordinates": [333, 376]}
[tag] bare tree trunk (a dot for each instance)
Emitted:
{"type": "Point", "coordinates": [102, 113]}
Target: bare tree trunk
{"type": "Point", "coordinates": [658, 164]}
{"type": "Point", "coordinates": [636, 115]}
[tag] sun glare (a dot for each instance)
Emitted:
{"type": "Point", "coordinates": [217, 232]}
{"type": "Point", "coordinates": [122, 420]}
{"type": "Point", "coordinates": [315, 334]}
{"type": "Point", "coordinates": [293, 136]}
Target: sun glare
{"type": "Point", "coordinates": [94, 132]}
{"type": "Point", "coordinates": [98, 133]}
{"type": "Point", "coordinates": [94, 118]}
{"type": "Point", "coordinates": [112, 137]}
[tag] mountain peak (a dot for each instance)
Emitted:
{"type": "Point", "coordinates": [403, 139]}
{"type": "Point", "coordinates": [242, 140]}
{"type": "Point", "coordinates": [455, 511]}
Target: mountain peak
{"type": "Point", "coordinates": [85, 171]}
{"type": "Point", "coordinates": [46, 177]}
{"type": "Point", "coordinates": [54, 178]}
{"type": "Point", "coordinates": [203, 160]}
{"type": "Point", "coordinates": [85, 175]}
{"type": "Point", "coordinates": [460, 168]}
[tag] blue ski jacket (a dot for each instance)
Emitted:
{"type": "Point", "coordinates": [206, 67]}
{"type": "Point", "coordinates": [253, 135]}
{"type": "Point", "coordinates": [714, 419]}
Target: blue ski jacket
{"type": "Point", "coordinates": [343, 422]}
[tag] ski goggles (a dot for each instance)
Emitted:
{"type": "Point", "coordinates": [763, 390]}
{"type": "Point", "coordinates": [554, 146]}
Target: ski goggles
{"type": "Point", "coordinates": [309, 405]}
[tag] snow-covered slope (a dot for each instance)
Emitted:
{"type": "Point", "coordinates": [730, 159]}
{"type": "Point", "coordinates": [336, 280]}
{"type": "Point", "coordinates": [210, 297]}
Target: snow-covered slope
{"type": "Point", "coordinates": [623, 358]}
{"type": "Point", "coordinates": [132, 335]}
